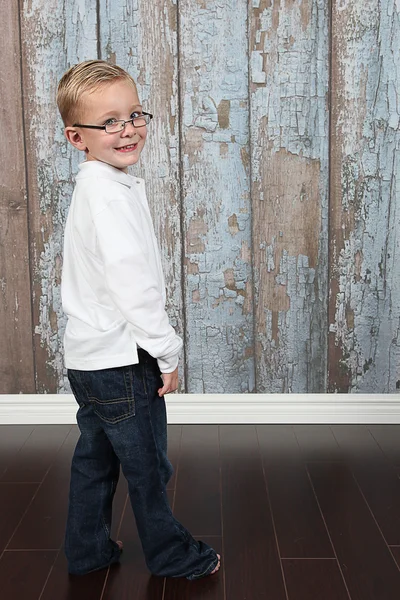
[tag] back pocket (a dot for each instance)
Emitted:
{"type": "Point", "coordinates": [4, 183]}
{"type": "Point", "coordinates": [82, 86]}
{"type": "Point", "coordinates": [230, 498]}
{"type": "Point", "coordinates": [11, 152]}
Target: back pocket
{"type": "Point", "coordinates": [110, 392]}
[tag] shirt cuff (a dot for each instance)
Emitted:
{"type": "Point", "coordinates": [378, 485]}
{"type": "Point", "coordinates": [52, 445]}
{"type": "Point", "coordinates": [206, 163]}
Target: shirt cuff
{"type": "Point", "coordinates": [168, 365]}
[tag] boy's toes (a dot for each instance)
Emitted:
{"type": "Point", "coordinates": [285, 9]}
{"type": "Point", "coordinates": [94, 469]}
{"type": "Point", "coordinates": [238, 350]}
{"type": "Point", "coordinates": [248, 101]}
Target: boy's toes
{"type": "Point", "coordinates": [218, 565]}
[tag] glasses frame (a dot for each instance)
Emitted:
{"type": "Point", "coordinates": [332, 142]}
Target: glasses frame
{"type": "Point", "coordinates": [104, 127]}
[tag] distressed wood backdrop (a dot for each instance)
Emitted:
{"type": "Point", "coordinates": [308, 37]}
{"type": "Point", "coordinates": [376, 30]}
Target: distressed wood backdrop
{"type": "Point", "coordinates": [273, 178]}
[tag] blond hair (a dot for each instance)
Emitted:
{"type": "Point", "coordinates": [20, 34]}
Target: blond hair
{"type": "Point", "coordinates": [84, 77]}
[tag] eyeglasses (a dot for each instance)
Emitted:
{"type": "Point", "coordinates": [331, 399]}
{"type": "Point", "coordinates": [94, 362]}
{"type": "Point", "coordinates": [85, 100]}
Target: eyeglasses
{"type": "Point", "coordinates": [116, 125]}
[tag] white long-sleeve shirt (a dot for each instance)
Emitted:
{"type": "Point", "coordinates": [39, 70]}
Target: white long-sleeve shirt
{"type": "Point", "coordinates": [113, 289]}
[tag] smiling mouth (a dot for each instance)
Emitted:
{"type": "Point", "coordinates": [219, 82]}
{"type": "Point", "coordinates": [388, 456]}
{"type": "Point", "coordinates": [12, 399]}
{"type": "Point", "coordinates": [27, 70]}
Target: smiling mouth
{"type": "Point", "coordinates": [128, 148]}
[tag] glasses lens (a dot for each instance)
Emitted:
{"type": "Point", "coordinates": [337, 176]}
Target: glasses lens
{"type": "Point", "coordinates": [141, 121]}
{"type": "Point", "coordinates": [114, 127]}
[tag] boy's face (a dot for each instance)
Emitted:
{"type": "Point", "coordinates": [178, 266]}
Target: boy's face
{"type": "Point", "coordinates": [117, 100]}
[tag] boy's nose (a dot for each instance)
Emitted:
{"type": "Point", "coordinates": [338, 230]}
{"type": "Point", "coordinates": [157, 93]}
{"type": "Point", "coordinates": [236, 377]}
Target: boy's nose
{"type": "Point", "coordinates": [129, 128]}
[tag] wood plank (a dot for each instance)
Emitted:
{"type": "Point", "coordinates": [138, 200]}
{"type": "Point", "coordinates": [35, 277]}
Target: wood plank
{"type": "Point", "coordinates": [144, 42]}
{"type": "Point", "coordinates": [50, 46]}
{"type": "Point", "coordinates": [23, 574]}
{"type": "Point", "coordinates": [300, 529]}
{"type": "Point", "coordinates": [364, 353]}
{"type": "Point", "coordinates": [208, 588]}
{"type": "Point", "coordinates": [197, 498]}
{"type": "Point", "coordinates": [317, 443]}
{"type": "Point", "coordinates": [289, 72]}
{"type": "Point", "coordinates": [14, 500]}
{"type": "Point", "coordinates": [378, 480]}
{"type": "Point", "coordinates": [312, 579]}
{"type": "Point", "coordinates": [388, 438]}
{"type": "Point", "coordinates": [174, 445]}
{"type": "Point", "coordinates": [16, 349]}
{"type": "Point", "coordinates": [215, 181]}
{"type": "Point", "coordinates": [63, 586]}
{"type": "Point", "coordinates": [37, 455]}
{"type": "Point", "coordinates": [366, 562]}
{"type": "Point", "coordinates": [250, 554]}
{"type": "Point", "coordinates": [12, 438]}
{"type": "Point", "coordinates": [395, 550]}
{"type": "Point", "coordinates": [43, 525]}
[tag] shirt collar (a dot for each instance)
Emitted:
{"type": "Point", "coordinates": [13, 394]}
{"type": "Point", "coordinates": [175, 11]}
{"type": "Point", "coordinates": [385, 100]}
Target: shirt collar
{"type": "Point", "coordinates": [96, 168]}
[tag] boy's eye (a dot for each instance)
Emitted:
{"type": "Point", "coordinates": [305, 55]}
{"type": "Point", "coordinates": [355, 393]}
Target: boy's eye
{"type": "Point", "coordinates": [110, 121]}
{"type": "Point", "coordinates": [136, 114]}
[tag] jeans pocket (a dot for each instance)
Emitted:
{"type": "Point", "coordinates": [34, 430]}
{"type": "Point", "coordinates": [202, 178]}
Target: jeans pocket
{"type": "Point", "coordinates": [110, 392]}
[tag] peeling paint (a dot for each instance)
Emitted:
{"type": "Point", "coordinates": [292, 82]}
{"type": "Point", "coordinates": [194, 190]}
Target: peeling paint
{"type": "Point", "coordinates": [365, 283]}
{"type": "Point", "coordinates": [196, 230]}
{"type": "Point", "coordinates": [224, 108]}
{"type": "Point", "coordinates": [50, 46]}
{"type": "Point", "coordinates": [233, 224]}
{"type": "Point", "coordinates": [224, 150]}
{"type": "Point", "coordinates": [215, 140]}
{"type": "Point", "coordinates": [192, 268]}
{"type": "Point", "coordinates": [289, 163]}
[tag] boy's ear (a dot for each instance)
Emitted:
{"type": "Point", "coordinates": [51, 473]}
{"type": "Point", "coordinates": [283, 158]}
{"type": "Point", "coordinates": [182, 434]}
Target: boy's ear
{"type": "Point", "coordinates": [74, 138]}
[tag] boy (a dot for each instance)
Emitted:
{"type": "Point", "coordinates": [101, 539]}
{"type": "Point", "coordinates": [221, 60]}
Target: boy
{"type": "Point", "coordinates": [120, 350]}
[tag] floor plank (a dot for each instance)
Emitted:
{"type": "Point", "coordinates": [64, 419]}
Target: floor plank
{"type": "Point", "coordinates": [314, 580]}
{"type": "Point", "coordinates": [62, 586]}
{"type": "Point", "coordinates": [395, 550]}
{"type": "Point", "coordinates": [388, 439]}
{"type": "Point", "coordinates": [317, 443]}
{"type": "Point", "coordinates": [347, 476]}
{"type": "Point", "coordinates": [252, 566]}
{"type": "Point", "coordinates": [208, 588]}
{"type": "Point", "coordinates": [23, 574]}
{"type": "Point", "coordinates": [197, 497]}
{"type": "Point", "coordinates": [367, 564]}
{"type": "Point", "coordinates": [375, 475]}
{"type": "Point", "coordinates": [12, 438]}
{"type": "Point", "coordinates": [43, 525]}
{"type": "Point", "coordinates": [33, 460]}
{"type": "Point", "coordinates": [300, 529]}
{"type": "Point", "coordinates": [14, 500]}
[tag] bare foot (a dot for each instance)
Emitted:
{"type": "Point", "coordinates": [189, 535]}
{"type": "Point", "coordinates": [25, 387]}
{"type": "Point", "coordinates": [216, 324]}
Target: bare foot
{"type": "Point", "coordinates": [218, 565]}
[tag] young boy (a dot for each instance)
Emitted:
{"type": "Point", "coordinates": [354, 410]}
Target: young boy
{"type": "Point", "coordinates": [120, 350]}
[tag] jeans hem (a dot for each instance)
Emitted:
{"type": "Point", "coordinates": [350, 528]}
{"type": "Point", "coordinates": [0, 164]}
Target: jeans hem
{"type": "Point", "coordinates": [115, 558]}
{"type": "Point", "coordinates": [209, 570]}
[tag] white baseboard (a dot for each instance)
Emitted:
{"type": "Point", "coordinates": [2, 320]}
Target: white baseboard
{"type": "Point", "coordinates": [222, 408]}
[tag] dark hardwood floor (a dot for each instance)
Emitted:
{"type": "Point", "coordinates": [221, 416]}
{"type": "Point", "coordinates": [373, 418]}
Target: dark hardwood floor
{"type": "Point", "coordinates": [304, 512]}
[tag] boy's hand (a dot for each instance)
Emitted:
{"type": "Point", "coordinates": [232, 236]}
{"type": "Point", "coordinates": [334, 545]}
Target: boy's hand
{"type": "Point", "coordinates": [170, 382]}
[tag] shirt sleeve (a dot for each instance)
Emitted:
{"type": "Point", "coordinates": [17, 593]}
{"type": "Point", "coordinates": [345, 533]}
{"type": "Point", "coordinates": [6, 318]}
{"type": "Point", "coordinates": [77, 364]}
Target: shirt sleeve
{"type": "Point", "coordinates": [132, 281]}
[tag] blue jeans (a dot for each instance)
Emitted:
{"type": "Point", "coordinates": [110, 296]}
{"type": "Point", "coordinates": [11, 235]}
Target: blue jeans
{"type": "Point", "coordinates": [122, 421]}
